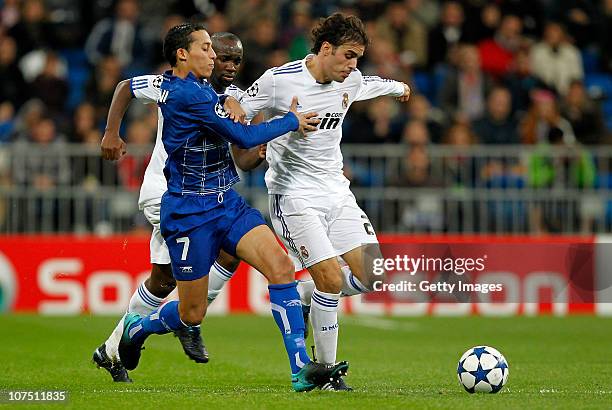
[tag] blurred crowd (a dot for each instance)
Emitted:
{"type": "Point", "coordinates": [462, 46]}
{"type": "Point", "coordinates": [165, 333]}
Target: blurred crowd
{"type": "Point", "coordinates": [482, 72]}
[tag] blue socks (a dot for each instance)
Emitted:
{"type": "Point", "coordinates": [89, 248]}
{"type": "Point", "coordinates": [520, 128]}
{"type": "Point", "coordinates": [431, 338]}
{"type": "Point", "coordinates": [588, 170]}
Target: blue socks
{"type": "Point", "coordinates": [287, 312]}
{"type": "Point", "coordinates": [163, 320]}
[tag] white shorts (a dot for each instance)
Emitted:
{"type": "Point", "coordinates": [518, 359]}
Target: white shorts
{"type": "Point", "coordinates": [157, 248]}
{"type": "Point", "coordinates": [319, 227]}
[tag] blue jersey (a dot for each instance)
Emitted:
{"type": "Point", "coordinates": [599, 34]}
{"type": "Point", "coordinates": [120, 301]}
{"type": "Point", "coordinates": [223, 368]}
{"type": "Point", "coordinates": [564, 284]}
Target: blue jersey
{"type": "Point", "coordinates": [196, 132]}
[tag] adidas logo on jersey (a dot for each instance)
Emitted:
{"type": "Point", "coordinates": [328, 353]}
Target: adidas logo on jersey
{"type": "Point", "coordinates": [330, 121]}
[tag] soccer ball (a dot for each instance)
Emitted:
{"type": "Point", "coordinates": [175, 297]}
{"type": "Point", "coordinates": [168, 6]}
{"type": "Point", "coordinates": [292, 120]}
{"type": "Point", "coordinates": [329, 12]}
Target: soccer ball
{"type": "Point", "coordinates": [483, 369]}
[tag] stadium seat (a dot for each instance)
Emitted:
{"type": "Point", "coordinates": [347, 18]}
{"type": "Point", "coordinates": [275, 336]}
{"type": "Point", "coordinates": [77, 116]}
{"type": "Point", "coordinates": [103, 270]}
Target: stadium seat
{"type": "Point", "coordinates": [590, 61]}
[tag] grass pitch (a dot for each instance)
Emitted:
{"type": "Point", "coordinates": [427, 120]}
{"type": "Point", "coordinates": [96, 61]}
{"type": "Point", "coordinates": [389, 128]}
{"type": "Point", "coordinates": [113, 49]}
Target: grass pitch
{"type": "Point", "coordinates": [395, 363]}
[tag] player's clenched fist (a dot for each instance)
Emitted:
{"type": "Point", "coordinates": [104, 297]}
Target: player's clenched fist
{"type": "Point", "coordinates": [406, 96]}
{"type": "Point", "coordinates": [113, 147]}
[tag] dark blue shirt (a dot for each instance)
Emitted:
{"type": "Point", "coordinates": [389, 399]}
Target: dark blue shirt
{"type": "Point", "coordinates": [196, 132]}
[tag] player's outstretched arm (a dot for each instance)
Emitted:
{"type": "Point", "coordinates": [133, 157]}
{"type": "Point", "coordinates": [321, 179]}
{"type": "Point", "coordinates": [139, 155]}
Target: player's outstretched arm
{"type": "Point", "coordinates": [373, 86]}
{"type": "Point", "coordinates": [249, 159]}
{"type": "Point", "coordinates": [249, 136]}
{"type": "Point", "coordinates": [113, 147]}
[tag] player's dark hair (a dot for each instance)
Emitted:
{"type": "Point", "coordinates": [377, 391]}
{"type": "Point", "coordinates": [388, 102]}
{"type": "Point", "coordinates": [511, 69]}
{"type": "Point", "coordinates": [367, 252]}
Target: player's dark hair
{"type": "Point", "coordinates": [179, 37]}
{"type": "Point", "coordinates": [338, 29]}
{"type": "Point", "coordinates": [224, 36]}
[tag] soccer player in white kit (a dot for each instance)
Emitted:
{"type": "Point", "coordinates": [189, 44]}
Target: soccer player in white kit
{"type": "Point", "coordinates": [311, 206]}
{"type": "Point", "coordinates": [152, 291]}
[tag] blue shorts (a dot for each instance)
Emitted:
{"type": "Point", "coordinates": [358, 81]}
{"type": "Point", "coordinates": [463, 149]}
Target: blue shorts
{"type": "Point", "coordinates": [196, 227]}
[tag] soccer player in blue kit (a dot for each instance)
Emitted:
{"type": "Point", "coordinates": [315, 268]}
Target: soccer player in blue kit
{"type": "Point", "coordinates": [201, 213]}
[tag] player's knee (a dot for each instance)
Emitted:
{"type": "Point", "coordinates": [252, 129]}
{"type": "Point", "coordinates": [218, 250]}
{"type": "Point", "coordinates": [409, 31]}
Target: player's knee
{"type": "Point", "coordinates": [161, 282]}
{"type": "Point", "coordinates": [282, 270]}
{"type": "Point", "coordinates": [228, 261]}
{"type": "Point", "coordinates": [329, 282]}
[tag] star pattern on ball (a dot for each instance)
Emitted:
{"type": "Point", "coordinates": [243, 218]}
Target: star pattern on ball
{"type": "Point", "coordinates": [478, 351]}
{"type": "Point", "coordinates": [480, 374]}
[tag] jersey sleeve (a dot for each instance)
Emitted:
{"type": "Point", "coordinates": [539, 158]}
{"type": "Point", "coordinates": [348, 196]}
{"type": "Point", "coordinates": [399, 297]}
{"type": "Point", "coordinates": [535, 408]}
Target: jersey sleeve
{"type": "Point", "coordinates": [210, 113]}
{"type": "Point", "coordinates": [235, 92]}
{"type": "Point", "coordinates": [373, 86]}
{"type": "Point", "coordinates": [259, 96]}
{"type": "Point", "coordinates": [146, 88]}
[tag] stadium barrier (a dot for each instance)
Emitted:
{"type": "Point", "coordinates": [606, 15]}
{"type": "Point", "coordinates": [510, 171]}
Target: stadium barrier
{"type": "Point", "coordinates": [69, 275]}
{"type": "Point", "coordinates": [68, 188]}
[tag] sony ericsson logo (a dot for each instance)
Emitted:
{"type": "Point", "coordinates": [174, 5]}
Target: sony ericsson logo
{"type": "Point", "coordinates": [8, 284]}
{"type": "Point", "coordinates": [330, 121]}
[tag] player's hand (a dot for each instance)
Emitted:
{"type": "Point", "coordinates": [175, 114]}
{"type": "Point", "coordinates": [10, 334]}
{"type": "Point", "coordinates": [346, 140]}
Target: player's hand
{"type": "Point", "coordinates": [112, 146]}
{"type": "Point", "coordinates": [406, 96]}
{"type": "Point", "coordinates": [308, 121]}
{"type": "Point", "coordinates": [261, 151]}
{"type": "Point", "coordinates": [233, 108]}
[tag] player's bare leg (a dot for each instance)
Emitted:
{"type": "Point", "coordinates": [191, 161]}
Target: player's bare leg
{"type": "Point", "coordinates": [260, 249]}
{"type": "Point", "coordinates": [358, 276]}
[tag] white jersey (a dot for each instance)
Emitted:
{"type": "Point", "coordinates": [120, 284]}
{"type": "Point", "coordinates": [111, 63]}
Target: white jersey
{"type": "Point", "coordinates": [146, 89]}
{"type": "Point", "coordinates": [302, 165]}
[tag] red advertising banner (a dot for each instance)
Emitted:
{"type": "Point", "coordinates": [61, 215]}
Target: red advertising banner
{"type": "Point", "coordinates": [73, 274]}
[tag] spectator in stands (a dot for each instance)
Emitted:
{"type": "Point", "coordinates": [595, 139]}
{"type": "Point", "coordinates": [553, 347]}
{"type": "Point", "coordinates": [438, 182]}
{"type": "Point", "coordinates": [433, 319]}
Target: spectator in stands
{"type": "Point", "coordinates": [605, 36]}
{"type": "Point", "coordinates": [522, 82]}
{"type": "Point", "coordinates": [483, 25]}
{"type": "Point", "coordinates": [7, 121]}
{"type": "Point", "coordinates": [295, 38]}
{"type": "Point", "coordinates": [498, 125]}
{"type": "Point", "coordinates": [374, 122]}
{"type": "Point", "coordinates": [384, 61]}
{"type": "Point", "coordinates": [243, 15]}
{"type": "Point", "coordinates": [12, 86]}
{"type": "Point", "coordinates": [33, 31]}
{"type": "Point", "coordinates": [497, 53]}
{"type": "Point", "coordinates": [460, 168]}
{"type": "Point", "coordinates": [260, 44]}
{"type": "Point", "coordinates": [406, 33]}
{"type": "Point", "coordinates": [555, 61]}
{"type": "Point", "coordinates": [40, 164]}
{"type": "Point", "coordinates": [133, 165]}
{"type": "Point", "coordinates": [9, 14]}
{"type": "Point", "coordinates": [416, 134]}
{"type": "Point", "coordinates": [447, 33]}
{"type": "Point", "coordinates": [90, 172]}
{"type": "Point", "coordinates": [101, 85]}
{"type": "Point", "coordinates": [425, 11]}
{"type": "Point", "coordinates": [120, 36]}
{"type": "Point", "coordinates": [543, 119]}
{"type": "Point", "coordinates": [463, 92]}
{"type": "Point", "coordinates": [419, 109]}
{"type": "Point", "coordinates": [157, 56]}
{"type": "Point", "coordinates": [51, 87]}
{"type": "Point", "coordinates": [583, 114]}
{"type": "Point", "coordinates": [578, 16]}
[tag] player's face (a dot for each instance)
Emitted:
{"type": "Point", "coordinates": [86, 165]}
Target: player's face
{"type": "Point", "coordinates": [227, 63]}
{"type": "Point", "coordinates": [201, 56]}
{"type": "Point", "coordinates": [342, 61]}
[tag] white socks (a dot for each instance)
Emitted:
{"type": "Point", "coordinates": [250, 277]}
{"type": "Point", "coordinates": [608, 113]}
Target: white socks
{"type": "Point", "coordinates": [350, 284]}
{"type": "Point", "coordinates": [305, 289]}
{"type": "Point", "coordinates": [217, 278]}
{"type": "Point", "coordinates": [142, 302]}
{"type": "Point", "coordinates": [324, 319]}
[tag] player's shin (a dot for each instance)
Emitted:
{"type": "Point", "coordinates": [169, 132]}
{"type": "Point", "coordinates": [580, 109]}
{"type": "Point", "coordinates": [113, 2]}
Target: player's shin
{"type": "Point", "coordinates": [164, 320]}
{"type": "Point", "coordinates": [287, 312]}
{"type": "Point", "coordinates": [324, 319]}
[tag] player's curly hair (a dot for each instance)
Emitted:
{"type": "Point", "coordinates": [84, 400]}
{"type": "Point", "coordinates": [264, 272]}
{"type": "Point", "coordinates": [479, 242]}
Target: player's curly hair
{"type": "Point", "coordinates": [338, 29]}
{"type": "Point", "coordinates": [179, 37]}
